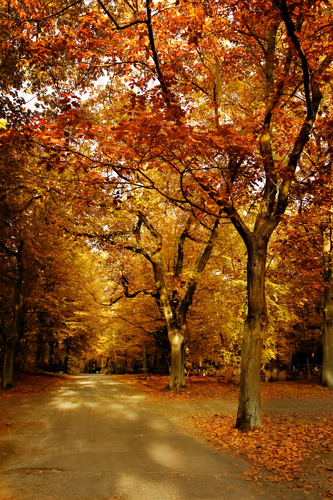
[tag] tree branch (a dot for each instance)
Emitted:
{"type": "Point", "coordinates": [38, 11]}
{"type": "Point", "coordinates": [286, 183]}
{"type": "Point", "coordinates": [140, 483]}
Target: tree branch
{"type": "Point", "coordinates": [292, 35]}
{"type": "Point", "coordinates": [37, 19]}
{"type": "Point", "coordinates": [180, 247]}
{"type": "Point", "coordinates": [108, 13]}
{"type": "Point", "coordinates": [155, 56]}
{"type": "Point", "coordinates": [199, 268]}
{"type": "Point", "coordinates": [151, 229]}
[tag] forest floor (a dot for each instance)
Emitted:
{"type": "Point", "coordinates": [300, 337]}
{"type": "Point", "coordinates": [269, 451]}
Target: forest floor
{"type": "Point", "coordinates": [30, 386]}
{"type": "Point", "coordinates": [295, 444]}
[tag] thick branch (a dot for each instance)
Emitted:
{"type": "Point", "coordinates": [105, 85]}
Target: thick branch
{"type": "Point", "coordinates": [228, 209]}
{"type": "Point", "coordinates": [180, 247]}
{"type": "Point", "coordinates": [300, 142]}
{"type": "Point", "coordinates": [125, 284]}
{"type": "Point", "coordinates": [199, 268]}
{"type": "Point", "coordinates": [137, 230]}
{"type": "Point", "coordinates": [305, 68]}
{"type": "Point", "coordinates": [109, 238]}
{"type": "Point", "coordinates": [151, 229]}
{"type": "Point", "coordinates": [134, 249]}
{"type": "Point", "coordinates": [265, 140]}
{"type": "Point", "coordinates": [155, 56]}
{"type": "Point", "coordinates": [313, 97]}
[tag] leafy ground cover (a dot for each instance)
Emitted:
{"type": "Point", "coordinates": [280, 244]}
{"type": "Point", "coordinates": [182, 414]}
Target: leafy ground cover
{"type": "Point", "coordinates": [33, 385]}
{"type": "Point", "coordinates": [212, 388]}
{"type": "Point", "coordinates": [296, 448]}
{"type": "Point", "coordinates": [285, 449]}
{"type": "Point", "coordinates": [29, 386]}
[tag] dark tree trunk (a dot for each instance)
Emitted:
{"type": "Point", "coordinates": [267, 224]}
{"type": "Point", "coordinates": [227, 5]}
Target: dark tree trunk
{"type": "Point", "coordinates": [40, 351]}
{"type": "Point", "coordinates": [12, 339]}
{"type": "Point", "coordinates": [51, 354]}
{"type": "Point", "coordinates": [145, 364]}
{"type": "Point", "coordinates": [327, 366]}
{"type": "Point", "coordinates": [8, 364]}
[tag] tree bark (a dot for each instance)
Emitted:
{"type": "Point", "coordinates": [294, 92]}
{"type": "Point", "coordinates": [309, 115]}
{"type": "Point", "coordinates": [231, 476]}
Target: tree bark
{"type": "Point", "coordinates": [144, 363]}
{"type": "Point", "coordinates": [177, 371]}
{"type": "Point", "coordinates": [8, 364]}
{"type": "Point", "coordinates": [327, 366]}
{"type": "Point", "coordinates": [175, 335]}
{"type": "Point", "coordinates": [249, 405]}
{"type": "Point", "coordinates": [11, 341]}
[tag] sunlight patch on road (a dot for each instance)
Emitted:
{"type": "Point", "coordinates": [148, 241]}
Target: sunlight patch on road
{"type": "Point", "coordinates": [66, 392]}
{"type": "Point", "coordinates": [91, 404]}
{"type": "Point", "coordinates": [65, 405]}
{"type": "Point", "coordinates": [135, 397]}
{"type": "Point", "coordinates": [165, 455]}
{"type": "Point", "coordinates": [87, 382]}
{"type": "Point", "coordinates": [125, 412]}
{"type": "Point", "coordinates": [157, 425]}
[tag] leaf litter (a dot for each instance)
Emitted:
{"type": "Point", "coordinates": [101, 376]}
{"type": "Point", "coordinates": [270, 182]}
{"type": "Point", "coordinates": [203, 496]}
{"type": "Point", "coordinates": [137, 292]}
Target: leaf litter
{"type": "Point", "coordinates": [294, 448]}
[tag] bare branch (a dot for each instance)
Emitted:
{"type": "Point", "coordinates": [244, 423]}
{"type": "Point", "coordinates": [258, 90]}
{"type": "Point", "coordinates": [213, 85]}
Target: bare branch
{"type": "Point", "coordinates": [37, 19]}
{"type": "Point", "coordinates": [108, 13]}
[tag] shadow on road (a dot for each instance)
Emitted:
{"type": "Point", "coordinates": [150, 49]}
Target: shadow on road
{"type": "Point", "coordinates": [97, 438]}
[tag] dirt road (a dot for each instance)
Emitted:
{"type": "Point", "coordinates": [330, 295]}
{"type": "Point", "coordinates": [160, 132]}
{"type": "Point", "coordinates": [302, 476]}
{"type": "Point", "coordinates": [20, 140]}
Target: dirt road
{"type": "Point", "coordinates": [96, 438]}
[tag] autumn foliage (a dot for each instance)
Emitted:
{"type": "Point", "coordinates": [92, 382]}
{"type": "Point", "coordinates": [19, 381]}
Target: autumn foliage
{"type": "Point", "coordinates": [185, 149]}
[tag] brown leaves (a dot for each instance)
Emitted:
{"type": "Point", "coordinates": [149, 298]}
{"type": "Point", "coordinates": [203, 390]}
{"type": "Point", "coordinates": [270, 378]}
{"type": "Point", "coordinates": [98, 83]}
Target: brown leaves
{"type": "Point", "coordinates": [294, 390]}
{"type": "Point", "coordinates": [196, 388]}
{"type": "Point", "coordinates": [213, 388]}
{"type": "Point", "coordinates": [294, 448]}
{"type": "Point", "coordinates": [287, 448]}
{"type": "Point", "coordinates": [33, 385]}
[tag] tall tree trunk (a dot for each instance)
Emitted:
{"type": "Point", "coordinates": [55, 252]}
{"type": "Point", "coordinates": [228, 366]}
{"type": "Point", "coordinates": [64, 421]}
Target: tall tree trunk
{"type": "Point", "coordinates": [12, 338]}
{"type": "Point", "coordinates": [249, 405]}
{"type": "Point", "coordinates": [40, 351]}
{"type": "Point", "coordinates": [175, 335]}
{"type": "Point", "coordinates": [144, 363]}
{"type": "Point", "coordinates": [8, 364]}
{"type": "Point", "coordinates": [327, 367]}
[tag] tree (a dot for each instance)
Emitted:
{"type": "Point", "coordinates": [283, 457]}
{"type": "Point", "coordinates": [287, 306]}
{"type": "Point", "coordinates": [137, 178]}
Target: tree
{"type": "Point", "coordinates": [136, 320]}
{"type": "Point", "coordinates": [161, 237]}
{"type": "Point", "coordinates": [226, 153]}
